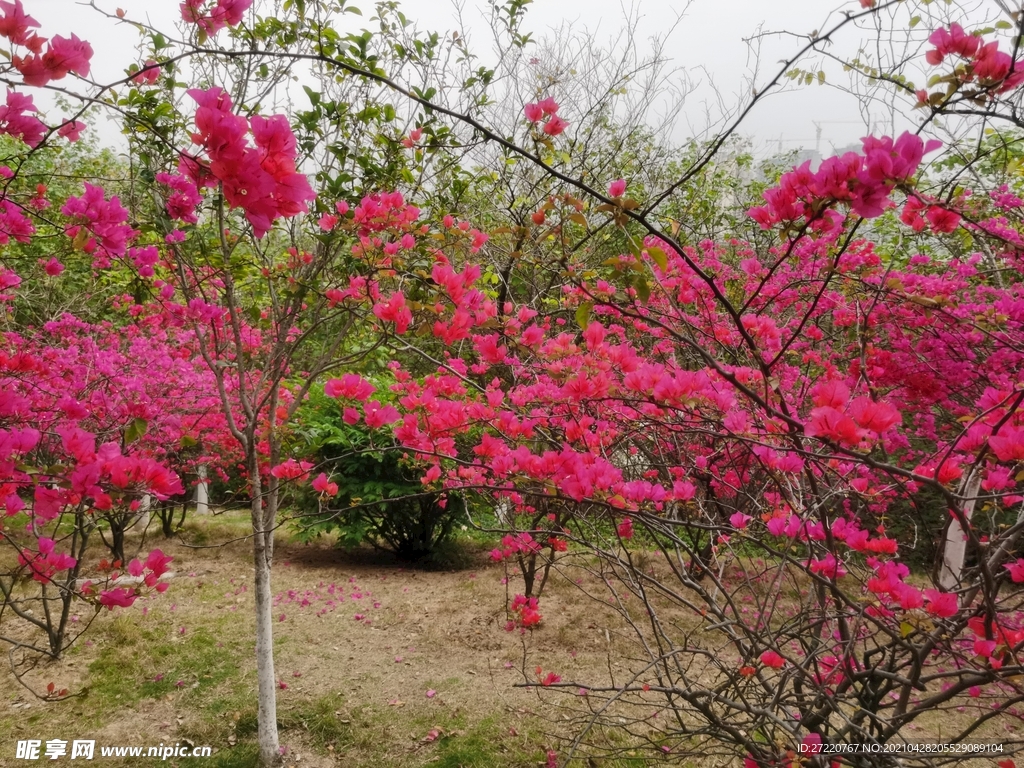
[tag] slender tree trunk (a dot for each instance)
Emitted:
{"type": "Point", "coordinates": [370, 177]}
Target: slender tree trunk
{"type": "Point", "coordinates": [202, 492]}
{"type": "Point", "coordinates": [955, 548]}
{"type": "Point", "coordinates": [266, 682]}
{"type": "Point", "coordinates": [145, 507]}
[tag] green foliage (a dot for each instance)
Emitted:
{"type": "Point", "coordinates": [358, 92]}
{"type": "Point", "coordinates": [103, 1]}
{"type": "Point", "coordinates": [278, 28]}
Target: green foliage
{"type": "Point", "coordinates": [380, 498]}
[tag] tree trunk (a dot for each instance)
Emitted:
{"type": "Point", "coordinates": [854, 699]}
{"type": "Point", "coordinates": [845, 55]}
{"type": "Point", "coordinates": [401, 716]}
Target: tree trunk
{"type": "Point", "coordinates": [145, 506]}
{"type": "Point", "coordinates": [117, 539]}
{"type": "Point", "coordinates": [202, 492]}
{"type": "Point", "coordinates": [955, 548]}
{"type": "Point", "coordinates": [266, 683]}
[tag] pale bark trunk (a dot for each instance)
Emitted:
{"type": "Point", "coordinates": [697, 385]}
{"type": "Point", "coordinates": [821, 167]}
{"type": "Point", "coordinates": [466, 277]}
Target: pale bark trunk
{"type": "Point", "coordinates": [266, 683]}
{"type": "Point", "coordinates": [202, 492]}
{"type": "Point", "coordinates": [145, 505]}
{"type": "Point", "coordinates": [955, 548]}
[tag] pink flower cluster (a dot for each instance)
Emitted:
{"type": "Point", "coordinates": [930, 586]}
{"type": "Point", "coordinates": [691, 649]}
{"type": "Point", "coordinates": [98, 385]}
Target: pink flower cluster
{"type": "Point", "coordinates": [292, 470]}
{"type": "Point", "coordinates": [212, 19]}
{"type": "Point", "coordinates": [520, 543]}
{"type": "Point", "coordinates": [63, 55]}
{"type": "Point", "coordinates": [834, 418]}
{"type": "Point", "coordinates": [936, 217]}
{"type": "Point", "coordinates": [148, 74]}
{"type": "Point", "coordinates": [351, 386]}
{"type": "Point", "coordinates": [45, 563]}
{"type": "Point", "coordinates": [39, 67]}
{"type": "Point", "coordinates": [396, 311]}
{"type": "Point", "coordinates": [17, 119]}
{"type": "Point", "coordinates": [321, 484]}
{"type": "Point", "coordinates": [100, 224]}
{"type": "Point", "coordinates": [986, 64]}
{"type": "Point", "coordinates": [150, 572]}
{"type": "Point", "coordinates": [381, 211]}
{"type": "Point", "coordinates": [261, 180]}
{"type": "Point", "coordinates": [861, 181]}
{"type": "Point", "coordinates": [547, 108]}
{"type": "Point", "coordinates": [14, 224]}
{"type": "Point", "coordinates": [526, 613]}
{"type": "Point", "coordinates": [184, 198]}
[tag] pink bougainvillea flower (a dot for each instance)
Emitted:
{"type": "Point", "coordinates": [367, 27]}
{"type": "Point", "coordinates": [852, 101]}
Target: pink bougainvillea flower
{"type": "Point", "coordinates": [15, 23]}
{"type": "Point", "coordinates": [67, 54]}
{"type": "Point", "coordinates": [533, 113]}
{"type": "Point", "coordinates": [394, 310]}
{"type": "Point", "coordinates": [414, 136]}
{"type": "Point", "coordinates": [942, 219]}
{"type": "Point", "coordinates": [72, 131]}
{"type": "Point", "coordinates": [877, 417]}
{"type": "Point", "coordinates": [148, 74]}
{"type": "Point", "coordinates": [941, 604]}
{"type": "Point", "coordinates": [321, 484]}
{"type": "Point", "coordinates": [53, 267]}
{"type": "Point", "coordinates": [292, 470]}
{"type": "Point", "coordinates": [377, 415]}
{"type": "Point", "coordinates": [18, 119]}
{"type": "Point", "coordinates": [351, 386]}
{"type": "Point", "coordinates": [739, 521]}
{"type": "Point", "coordinates": [548, 106]}
{"type": "Point", "coordinates": [1016, 570]}
{"type": "Point", "coordinates": [555, 125]}
{"type": "Point", "coordinates": [122, 597]}
{"type": "Point", "coordinates": [1008, 444]}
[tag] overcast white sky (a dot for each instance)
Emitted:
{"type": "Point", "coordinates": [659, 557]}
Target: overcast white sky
{"type": "Point", "coordinates": [709, 41]}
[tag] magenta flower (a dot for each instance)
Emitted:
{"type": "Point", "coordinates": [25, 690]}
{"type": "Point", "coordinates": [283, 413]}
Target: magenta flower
{"type": "Point", "coordinates": [555, 125]}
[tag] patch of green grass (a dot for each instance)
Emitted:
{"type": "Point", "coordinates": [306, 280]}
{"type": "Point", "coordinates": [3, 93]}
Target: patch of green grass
{"type": "Point", "coordinates": [217, 528]}
{"type": "Point", "coordinates": [481, 746]}
{"type": "Point", "coordinates": [319, 721]}
{"type": "Point", "coordinates": [140, 660]}
{"type": "Point", "coordinates": [240, 756]}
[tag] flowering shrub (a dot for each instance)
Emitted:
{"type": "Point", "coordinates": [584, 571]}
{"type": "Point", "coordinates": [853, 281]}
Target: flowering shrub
{"type": "Point", "coordinates": [367, 493]}
{"type": "Point", "coordinates": [785, 402]}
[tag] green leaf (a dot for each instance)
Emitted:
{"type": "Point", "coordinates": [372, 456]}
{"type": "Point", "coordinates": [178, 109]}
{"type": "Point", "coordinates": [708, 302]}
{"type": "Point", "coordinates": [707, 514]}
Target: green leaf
{"type": "Point", "coordinates": [583, 314]}
{"type": "Point", "coordinates": [135, 430]}
{"type": "Point", "coordinates": [658, 257]}
{"type": "Point", "coordinates": [643, 290]}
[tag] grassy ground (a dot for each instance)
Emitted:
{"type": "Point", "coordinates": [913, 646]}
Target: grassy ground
{"type": "Point", "coordinates": [379, 665]}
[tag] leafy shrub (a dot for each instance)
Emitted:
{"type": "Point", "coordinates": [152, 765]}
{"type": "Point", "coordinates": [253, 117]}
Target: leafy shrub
{"type": "Point", "coordinates": [380, 499]}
